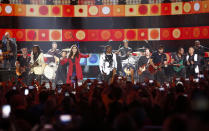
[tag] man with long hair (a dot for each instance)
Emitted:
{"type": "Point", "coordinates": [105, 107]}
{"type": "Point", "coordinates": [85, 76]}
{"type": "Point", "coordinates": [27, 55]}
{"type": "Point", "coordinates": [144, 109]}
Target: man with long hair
{"type": "Point", "coordinates": [74, 69]}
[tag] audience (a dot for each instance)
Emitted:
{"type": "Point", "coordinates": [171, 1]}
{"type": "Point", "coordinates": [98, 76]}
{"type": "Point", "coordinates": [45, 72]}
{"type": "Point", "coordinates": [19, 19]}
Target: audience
{"type": "Point", "coordinates": [179, 105]}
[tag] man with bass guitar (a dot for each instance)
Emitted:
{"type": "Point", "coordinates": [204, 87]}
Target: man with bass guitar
{"type": "Point", "coordinates": [157, 63]}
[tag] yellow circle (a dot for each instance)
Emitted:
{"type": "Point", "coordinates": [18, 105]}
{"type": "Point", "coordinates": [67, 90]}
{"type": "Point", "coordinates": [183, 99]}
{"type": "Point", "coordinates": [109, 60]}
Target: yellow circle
{"type": "Point", "coordinates": [68, 10]}
{"type": "Point", "coordinates": [19, 9]}
{"type": "Point", "coordinates": [142, 34]}
{"type": "Point", "coordinates": [205, 5]}
{"type": "Point", "coordinates": [93, 10]}
{"type": "Point", "coordinates": [187, 7]}
{"type": "Point", "coordinates": [80, 35]}
{"type": "Point", "coordinates": [176, 33]}
{"type": "Point", "coordinates": [118, 10]}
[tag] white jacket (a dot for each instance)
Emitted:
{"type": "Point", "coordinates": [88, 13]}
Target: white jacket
{"type": "Point", "coordinates": [38, 70]}
{"type": "Point", "coordinates": [104, 65]}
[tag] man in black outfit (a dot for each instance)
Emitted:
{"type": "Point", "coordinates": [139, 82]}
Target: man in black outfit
{"type": "Point", "coordinates": [159, 61]}
{"type": "Point", "coordinates": [22, 64]}
{"type": "Point", "coordinates": [54, 52]}
{"type": "Point", "coordinates": [143, 65]}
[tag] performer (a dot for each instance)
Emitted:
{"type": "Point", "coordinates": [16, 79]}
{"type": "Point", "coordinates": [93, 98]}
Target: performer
{"type": "Point", "coordinates": [158, 61]}
{"type": "Point", "coordinates": [108, 64]}
{"type": "Point", "coordinates": [143, 65]}
{"type": "Point", "coordinates": [74, 69]}
{"type": "Point", "coordinates": [55, 53]}
{"type": "Point", "coordinates": [22, 66]}
{"type": "Point", "coordinates": [125, 51]}
{"type": "Point", "coordinates": [178, 60]}
{"type": "Point", "coordinates": [61, 73]}
{"type": "Point", "coordinates": [9, 49]}
{"type": "Point", "coordinates": [199, 50]}
{"type": "Point", "coordinates": [192, 63]}
{"type": "Point", "coordinates": [37, 64]}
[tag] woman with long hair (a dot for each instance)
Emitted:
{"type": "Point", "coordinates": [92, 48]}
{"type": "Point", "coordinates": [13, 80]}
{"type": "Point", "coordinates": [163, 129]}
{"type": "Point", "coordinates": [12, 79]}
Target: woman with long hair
{"type": "Point", "coordinates": [74, 69]}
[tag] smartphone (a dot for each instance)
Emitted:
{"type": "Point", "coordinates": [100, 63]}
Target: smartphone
{"type": "Point", "coordinates": [201, 76]}
{"type": "Point", "coordinates": [151, 81]}
{"type": "Point", "coordinates": [196, 80]}
{"type": "Point", "coordinates": [6, 110]}
{"type": "Point", "coordinates": [31, 87]}
{"type": "Point", "coordinates": [67, 94]}
{"type": "Point", "coordinates": [26, 92]}
{"type": "Point", "coordinates": [185, 95]}
{"type": "Point", "coordinates": [14, 88]}
{"type": "Point", "coordinates": [186, 79]}
{"type": "Point", "coordinates": [167, 84]}
{"type": "Point", "coordinates": [73, 92]}
{"type": "Point", "coordinates": [161, 89]}
{"type": "Point", "coordinates": [65, 118]}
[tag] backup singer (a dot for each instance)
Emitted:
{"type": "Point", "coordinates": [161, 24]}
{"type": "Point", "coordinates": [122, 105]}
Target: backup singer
{"type": "Point", "coordinates": [108, 64]}
{"type": "Point", "coordinates": [192, 63]}
{"type": "Point", "coordinates": [37, 64]}
{"type": "Point", "coordinates": [61, 73]}
{"type": "Point", "coordinates": [9, 49]}
{"type": "Point", "coordinates": [178, 60]}
{"type": "Point", "coordinates": [22, 66]}
{"type": "Point", "coordinates": [74, 69]}
{"type": "Point", "coordinates": [200, 51]}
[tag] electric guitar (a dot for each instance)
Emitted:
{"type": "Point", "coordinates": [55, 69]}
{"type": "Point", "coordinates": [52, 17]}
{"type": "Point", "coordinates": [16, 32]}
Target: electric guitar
{"type": "Point", "coordinates": [153, 70]}
{"type": "Point", "coordinates": [142, 69]}
{"type": "Point", "coordinates": [179, 66]}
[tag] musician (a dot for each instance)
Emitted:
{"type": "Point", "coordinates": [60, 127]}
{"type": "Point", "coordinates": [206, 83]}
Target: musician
{"type": "Point", "coordinates": [199, 49]}
{"type": "Point", "coordinates": [192, 63]}
{"type": "Point", "coordinates": [143, 64]}
{"type": "Point", "coordinates": [10, 48]}
{"type": "Point", "coordinates": [125, 51]}
{"type": "Point", "coordinates": [158, 61]}
{"type": "Point", "coordinates": [108, 64]}
{"type": "Point", "coordinates": [37, 64]}
{"type": "Point", "coordinates": [178, 60]}
{"type": "Point", "coordinates": [74, 69]}
{"type": "Point", "coordinates": [61, 73]}
{"type": "Point", "coordinates": [54, 52]}
{"type": "Point", "coordinates": [22, 65]}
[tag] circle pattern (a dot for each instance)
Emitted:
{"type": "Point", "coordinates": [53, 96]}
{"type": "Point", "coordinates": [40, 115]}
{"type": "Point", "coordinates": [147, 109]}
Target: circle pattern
{"type": "Point", "coordinates": [205, 32]}
{"type": "Point", "coordinates": [118, 34]}
{"type": "Point", "coordinates": [68, 35]}
{"type": "Point", "coordinates": [187, 7]}
{"type": "Point", "coordinates": [196, 6]}
{"type": "Point", "coordinates": [143, 9]}
{"type": "Point", "coordinates": [131, 34]}
{"type": "Point", "coordinates": [31, 35]}
{"type": "Point", "coordinates": [19, 35]}
{"type": "Point", "coordinates": [93, 10]}
{"type": "Point", "coordinates": [8, 9]}
{"type": "Point", "coordinates": [56, 10]}
{"type": "Point", "coordinates": [154, 9]}
{"type": "Point", "coordinates": [196, 32]}
{"type": "Point", "coordinates": [0, 9]}
{"type": "Point", "coordinates": [176, 33]}
{"type": "Point", "coordinates": [105, 35]}
{"type": "Point", "coordinates": [55, 35]}
{"type": "Point", "coordinates": [43, 10]}
{"type": "Point", "coordinates": [165, 34]}
{"type": "Point", "coordinates": [154, 34]}
{"type": "Point", "coordinates": [105, 10]}
{"type": "Point", "coordinates": [80, 35]}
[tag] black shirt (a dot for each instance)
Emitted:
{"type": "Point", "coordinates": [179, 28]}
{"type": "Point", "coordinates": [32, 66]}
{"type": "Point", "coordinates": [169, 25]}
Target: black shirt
{"type": "Point", "coordinates": [124, 52]}
{"type": "Point", "coordinates": [142, 61]}
{"type": "Point", "coordinates": [24, 62]}
{"type": "Point", "coordinates": [199, 50]}
{"type": "Point", "coordinates": [158, 58]}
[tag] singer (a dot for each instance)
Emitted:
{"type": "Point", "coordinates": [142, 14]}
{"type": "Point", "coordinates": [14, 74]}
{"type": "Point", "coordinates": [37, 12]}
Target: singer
{"type": "Point", "coordinates": [74, 69]}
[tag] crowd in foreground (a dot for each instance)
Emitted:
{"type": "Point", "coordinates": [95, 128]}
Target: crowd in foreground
{"type": "Point", "coordinates": [181, 105]}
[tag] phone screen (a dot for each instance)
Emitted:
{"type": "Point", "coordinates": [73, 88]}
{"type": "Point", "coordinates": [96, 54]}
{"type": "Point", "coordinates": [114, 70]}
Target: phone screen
{"type": "Point", "coordinates": [6, 109]}
{"type": "Point", "coordinates": [65, 118]}
{"type": "Point", "coordinates": [26, 92]}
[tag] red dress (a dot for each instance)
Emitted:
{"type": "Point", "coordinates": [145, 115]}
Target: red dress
{"type": "Point", "coordinates": [77, 65]}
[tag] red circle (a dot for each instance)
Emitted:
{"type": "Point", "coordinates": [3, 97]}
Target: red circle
{"type": "Point", "coordinates": [31, 10]}
{"type": "Point", "coordinates": [56, 10]}
{"type": "Point", "coordinates": [80, 10]}
{"type": "Point", "coordinates": [176, 8]}
{"type": "Point", "coordinates": [154, 9]}
{"type": "Point", "coordinates": [130, 34]}
{"type": "Point", "coordinates": [31, 35]}
{"type": "Point", "coordinates": [131, 9]}
{"type": "Point", "coordinates": [43, 10]}
{"type": "Point", "coordinates": [143, 9]}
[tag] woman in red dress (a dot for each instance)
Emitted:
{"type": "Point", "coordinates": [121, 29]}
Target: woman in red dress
{"type": "Point", "coordinates": [74, 69]}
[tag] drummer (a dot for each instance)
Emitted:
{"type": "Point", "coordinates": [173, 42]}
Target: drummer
{"type": "Point", "coordinates": [55, 53]}
{"type": "Point", "coordinates": [124, 51]}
